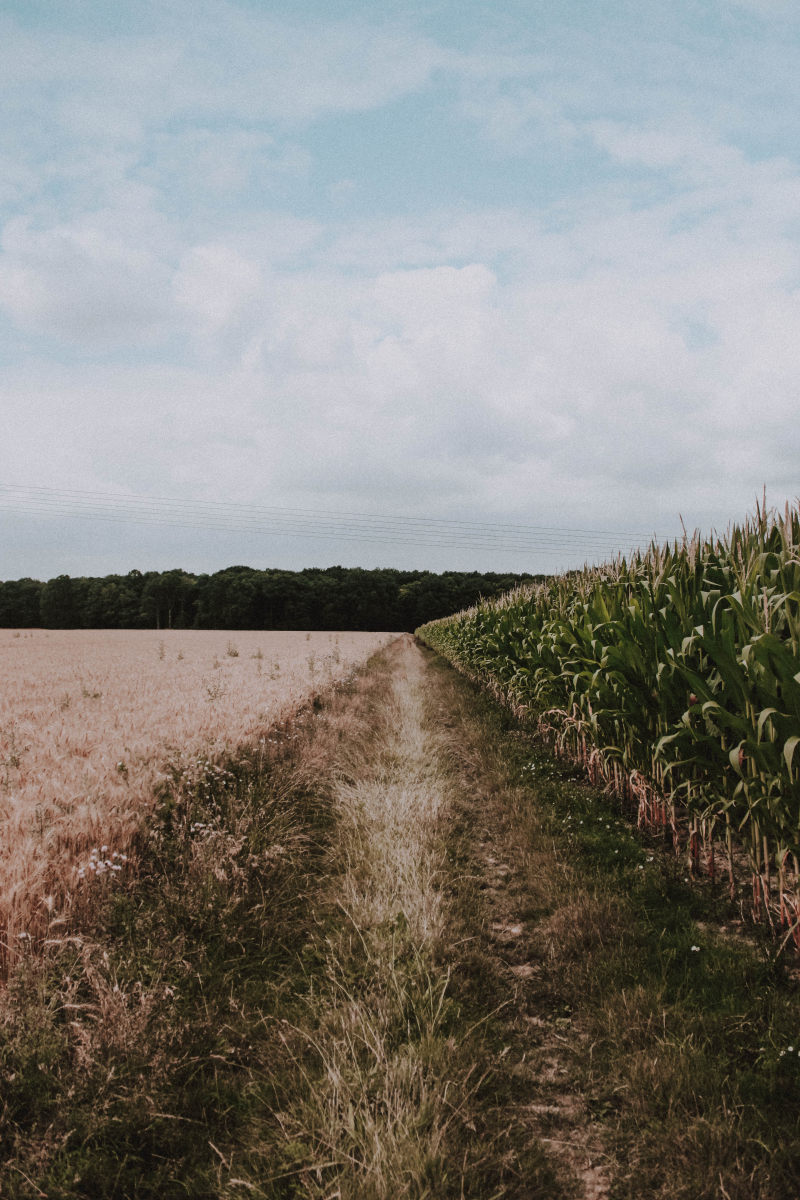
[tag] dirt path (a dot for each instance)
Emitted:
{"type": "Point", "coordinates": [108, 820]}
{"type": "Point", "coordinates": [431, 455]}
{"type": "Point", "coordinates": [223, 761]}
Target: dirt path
{"type": "Point", "coordinates": [441, 1068]}
{"type": "Point", "coordinates": [502, 897]}
{"type": "Point", "coordinates": [543, 1105]}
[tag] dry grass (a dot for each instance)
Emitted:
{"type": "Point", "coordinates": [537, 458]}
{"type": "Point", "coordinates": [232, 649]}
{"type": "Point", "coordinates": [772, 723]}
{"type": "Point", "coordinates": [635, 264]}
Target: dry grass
{"type": "Point", "coordinates": [389, 817]}
{"type": "Point", "coordinates": [388, 1082]}
{"type": "Point", "coordinates": [92, 721]}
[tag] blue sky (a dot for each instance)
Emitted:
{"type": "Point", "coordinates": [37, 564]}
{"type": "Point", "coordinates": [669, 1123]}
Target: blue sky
{"type": "Point", "coordinates": [523, 262]}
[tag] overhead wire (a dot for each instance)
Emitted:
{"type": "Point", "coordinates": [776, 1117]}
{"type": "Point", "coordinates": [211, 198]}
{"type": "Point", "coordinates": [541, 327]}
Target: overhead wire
{"type": "Point", "coordinates": [393, 529]}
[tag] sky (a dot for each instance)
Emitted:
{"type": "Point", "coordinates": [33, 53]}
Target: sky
{"type": "Point", "coordinates": [462, 284]}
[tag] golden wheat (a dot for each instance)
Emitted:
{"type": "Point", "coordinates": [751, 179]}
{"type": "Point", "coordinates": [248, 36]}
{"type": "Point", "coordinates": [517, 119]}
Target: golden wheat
{"type": "Point", "coordinates": [91, 720]}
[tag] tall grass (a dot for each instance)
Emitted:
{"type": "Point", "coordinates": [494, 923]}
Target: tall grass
{"type": "Point", "coordinates": [675, 678]}
{"type": "Point", "coordinates": [92, 723]}
{"type": "Point", "coordinates": [264, 1010]}
{"type": "Point", "coordinates": [376, 1034]}
{"type": "Point", "coordinates": [134, 1046]}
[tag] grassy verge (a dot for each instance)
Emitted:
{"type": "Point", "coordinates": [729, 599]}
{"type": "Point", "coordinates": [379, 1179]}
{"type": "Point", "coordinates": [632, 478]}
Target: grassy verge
{"type": "Point", "coordinates": [652, 1048]}
{"type": "Point", "coordinates": [135, 1052]}
{"type": "Point", "coordinates": [392, 1055]}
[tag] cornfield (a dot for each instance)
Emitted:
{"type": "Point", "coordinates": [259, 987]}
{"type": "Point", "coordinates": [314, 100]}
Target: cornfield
{"type": "Point", "coordinates": [674, 677]}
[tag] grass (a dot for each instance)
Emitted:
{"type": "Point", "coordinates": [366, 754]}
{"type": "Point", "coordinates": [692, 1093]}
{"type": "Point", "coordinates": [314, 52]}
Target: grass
{"type": "Point", "coordinates": [271, 1008]}
{"type": "Point", "coordinates": [397, 952]}
{"type": "Point", "coordinates": [677, 1035]}
{"type": "Point", "coordinates": [132, 1052]}
{"type": "Point", "coordinates": [389, 1061]}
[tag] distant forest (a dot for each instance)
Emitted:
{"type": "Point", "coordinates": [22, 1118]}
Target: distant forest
{"type": "Point", "coordinates": [245, 598]}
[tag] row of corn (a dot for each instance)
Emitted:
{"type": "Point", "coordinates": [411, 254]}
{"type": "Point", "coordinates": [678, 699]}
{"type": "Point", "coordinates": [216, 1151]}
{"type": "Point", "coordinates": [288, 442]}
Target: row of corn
{"type": "Point", "coordinates": [675, 678]}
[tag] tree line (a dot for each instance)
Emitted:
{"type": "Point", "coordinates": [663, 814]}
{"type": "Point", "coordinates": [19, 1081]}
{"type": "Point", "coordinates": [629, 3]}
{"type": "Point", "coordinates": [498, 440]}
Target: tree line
{"type": "Point", "coordinates": [346, 598]}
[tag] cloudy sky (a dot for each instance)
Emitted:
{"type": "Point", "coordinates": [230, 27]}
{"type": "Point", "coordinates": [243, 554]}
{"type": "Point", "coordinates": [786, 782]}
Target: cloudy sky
{"type": "Point", "coordinates": [490, 284]}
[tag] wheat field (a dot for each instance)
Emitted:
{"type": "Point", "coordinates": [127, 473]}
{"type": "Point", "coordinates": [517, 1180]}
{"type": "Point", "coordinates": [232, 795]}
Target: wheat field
{"type": "Point", "coordinates": [92, 720]}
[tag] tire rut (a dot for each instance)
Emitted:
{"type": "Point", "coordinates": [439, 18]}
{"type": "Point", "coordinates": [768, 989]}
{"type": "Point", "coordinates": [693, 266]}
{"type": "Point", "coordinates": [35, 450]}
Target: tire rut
{"type": "Point", "coordinates": [504, 920]}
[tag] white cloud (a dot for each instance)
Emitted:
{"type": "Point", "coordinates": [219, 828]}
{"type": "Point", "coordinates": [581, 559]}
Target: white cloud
{"type": "Point", "coordinates": [625, 359]}
{"type": "Point", "coordinates": [217, 59]}
{"type": "Point", "coordinates": [216, 284]}
{"type": "Point", "coordinates": [81, 283]}
{"type": "Point", "coordinates": [222, 162]}
{"type": "Point", "coordinates": [509, 118]}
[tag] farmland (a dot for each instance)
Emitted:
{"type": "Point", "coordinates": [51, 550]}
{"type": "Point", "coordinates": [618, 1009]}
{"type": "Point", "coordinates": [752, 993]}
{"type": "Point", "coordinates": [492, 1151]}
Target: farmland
{"type": "Point", "coordinates": [397, 950]}
{"type": "Point", "coordinates": [397, 942]}
{"type": "Point", "coordinates": [90, 722]}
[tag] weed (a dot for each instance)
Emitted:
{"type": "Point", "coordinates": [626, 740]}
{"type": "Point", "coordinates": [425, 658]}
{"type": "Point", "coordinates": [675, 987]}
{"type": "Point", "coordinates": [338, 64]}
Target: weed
{"type": "Point", "coordinates": [215, 689]}
{"type": "Point", "coordinates": [11, 753]}
{"type": "Point", "coordinates": [387, 1074]}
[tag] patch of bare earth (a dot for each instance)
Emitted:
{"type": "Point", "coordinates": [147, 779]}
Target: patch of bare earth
{"type": "Point", "coordinates": [543, 1039]}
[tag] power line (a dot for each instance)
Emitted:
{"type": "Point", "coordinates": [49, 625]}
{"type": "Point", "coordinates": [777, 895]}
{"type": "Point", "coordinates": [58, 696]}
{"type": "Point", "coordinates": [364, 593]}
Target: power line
{"type": "Point", "coordinates": [296, 529]}
{"type": "Point", "coordinates": [116, 497]}
{"type": "Point", "coordinates": [299, 522]}
{"type": "Point", "coordinates": [267, 520]}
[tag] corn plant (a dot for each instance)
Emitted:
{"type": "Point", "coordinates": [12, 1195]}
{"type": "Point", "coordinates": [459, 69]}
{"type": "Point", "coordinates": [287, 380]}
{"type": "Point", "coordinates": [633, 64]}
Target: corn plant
{"type": "Point", "coordinates": [674, 677]}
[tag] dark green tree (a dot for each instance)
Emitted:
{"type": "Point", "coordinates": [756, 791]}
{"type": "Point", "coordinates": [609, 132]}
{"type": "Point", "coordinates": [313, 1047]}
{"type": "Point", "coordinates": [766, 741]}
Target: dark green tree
{"type": "Point", "coordinates": [19, 603]}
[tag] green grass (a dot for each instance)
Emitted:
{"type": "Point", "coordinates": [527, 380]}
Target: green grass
{"type": "Point", "coordinates": [131, 1051]}
{"type": "Point", "coordinates": [681, 1034]}
{"type": "Point", "coordinates": [229, 1028]}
